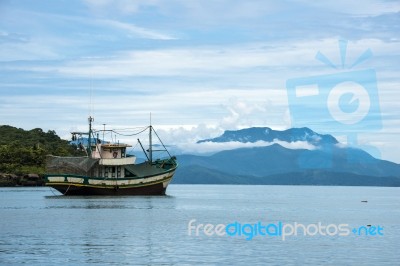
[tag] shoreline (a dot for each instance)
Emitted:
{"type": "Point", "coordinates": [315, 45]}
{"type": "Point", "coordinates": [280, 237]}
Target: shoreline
{"type": "Point", "coordinates": [26, 180]}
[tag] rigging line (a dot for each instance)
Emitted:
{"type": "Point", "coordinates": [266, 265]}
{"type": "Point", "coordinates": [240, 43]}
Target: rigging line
{"type": "Point", "coordinates": [118, 131]}
{"type": "Point", "coordinates": [162, 144]}
{"type": "Point", "coordinates": [135, 145]}
{"type": "Point", "coordinates": [65, 193]}
{"type": "Point", "coordinates": [131, 128]}
{"type": "Point", "coordinates": [127, 135]}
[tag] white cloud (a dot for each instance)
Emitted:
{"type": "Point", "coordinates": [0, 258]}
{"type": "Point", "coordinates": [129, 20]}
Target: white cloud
{"type": "Point", "coordinates": [135, 30]}
{"type": "Point", "coordinates": [367, 8]}
{"type": "Point", "coordinates": [236, 10]}
{"type": "Point", "coordinates": [266, 110]}
{"type": "Point", "coordinates": [180, 62]}
{"type": "Point", "coordinates": [168, 62]}
{"type": "Point", "coordinates": [247, 60]}
{"type": "Point", "coordinates": [213, 147]}
{"type": "Point", "coordinates": [252, 62]}
{"type": "Point", "coordinates": [121, 6]}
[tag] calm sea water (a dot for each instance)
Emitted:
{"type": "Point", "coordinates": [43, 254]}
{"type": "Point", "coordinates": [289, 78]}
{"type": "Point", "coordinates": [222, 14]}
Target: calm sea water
{"type": "Point", "coordinates": [40, 228]}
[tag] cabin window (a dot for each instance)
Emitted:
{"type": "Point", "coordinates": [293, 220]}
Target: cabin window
{"type": "Point", "coordinates": [118, 171]}
{"type": "Point", "coordinates": [123, 153]}
{"type": "Point", "coordinates": [113, 171]}
{"type": "Point", "coordinates": [105, 171]}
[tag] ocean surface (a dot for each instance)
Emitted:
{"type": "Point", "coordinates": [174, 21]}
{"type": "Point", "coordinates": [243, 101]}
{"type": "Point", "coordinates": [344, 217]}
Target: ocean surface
{"type": "Point", "coordinates": [203, 225]}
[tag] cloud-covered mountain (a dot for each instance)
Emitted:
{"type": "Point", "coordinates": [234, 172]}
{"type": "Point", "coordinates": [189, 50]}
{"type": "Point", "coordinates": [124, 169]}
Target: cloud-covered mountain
{"type": "Point", "coordinates": [267, 134]}
{"type": "Point", "coordinates": [327, 164]}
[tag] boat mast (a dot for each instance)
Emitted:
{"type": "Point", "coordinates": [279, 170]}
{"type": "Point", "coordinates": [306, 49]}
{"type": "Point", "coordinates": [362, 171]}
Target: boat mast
{"type": "Point", "coordinates": [89, 148]}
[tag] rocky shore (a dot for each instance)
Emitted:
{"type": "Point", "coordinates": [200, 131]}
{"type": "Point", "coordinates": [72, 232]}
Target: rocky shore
{"type": "Point", "coordinates": [12, 180]}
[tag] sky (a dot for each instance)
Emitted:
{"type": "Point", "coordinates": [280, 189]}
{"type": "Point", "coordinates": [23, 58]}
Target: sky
{"type": "Point", "coordinates": [202, 67]}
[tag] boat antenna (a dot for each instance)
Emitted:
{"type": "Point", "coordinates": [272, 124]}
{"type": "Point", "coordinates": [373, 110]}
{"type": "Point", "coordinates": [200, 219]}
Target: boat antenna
{"type": "Point", "coordinates": [150, 143]}
{"type": "Point", "coordinates": [91, 108]}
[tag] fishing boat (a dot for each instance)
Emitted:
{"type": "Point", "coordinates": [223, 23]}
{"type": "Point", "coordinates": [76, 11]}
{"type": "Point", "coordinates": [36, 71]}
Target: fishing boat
{"type": "Point", "coordinates": [107, 168]}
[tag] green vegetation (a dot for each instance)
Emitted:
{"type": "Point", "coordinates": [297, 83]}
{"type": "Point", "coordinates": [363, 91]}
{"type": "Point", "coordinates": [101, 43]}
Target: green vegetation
{"type": "Point", "coordinates": [23, 152]}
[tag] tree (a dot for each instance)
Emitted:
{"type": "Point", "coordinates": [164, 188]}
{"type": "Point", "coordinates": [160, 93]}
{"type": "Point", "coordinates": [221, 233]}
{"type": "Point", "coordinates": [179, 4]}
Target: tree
{"type": "Point", "coordinates": [25, 151]}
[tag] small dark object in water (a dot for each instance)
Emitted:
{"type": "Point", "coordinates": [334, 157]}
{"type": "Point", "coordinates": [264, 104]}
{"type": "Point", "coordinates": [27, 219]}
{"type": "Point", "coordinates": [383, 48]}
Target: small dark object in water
{"type": "Point", "coordinates": [368, 225]}
{"type": "Point", "coordinates": [364, 201]}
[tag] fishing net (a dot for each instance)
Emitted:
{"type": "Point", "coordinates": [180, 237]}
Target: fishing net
{"type": "Point", "coordinates": [71, 165]}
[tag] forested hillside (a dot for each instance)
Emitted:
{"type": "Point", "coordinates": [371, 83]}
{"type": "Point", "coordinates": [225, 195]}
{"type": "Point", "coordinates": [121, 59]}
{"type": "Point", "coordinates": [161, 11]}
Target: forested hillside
{"type": "Point", "coordinates": [23, 152]}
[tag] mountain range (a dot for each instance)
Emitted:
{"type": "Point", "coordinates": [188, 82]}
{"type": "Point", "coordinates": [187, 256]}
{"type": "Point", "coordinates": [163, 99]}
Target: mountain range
{"type": "Point", "coordinates": [267, 134]}
{"type": "Point", "coordinates": [327, 162]}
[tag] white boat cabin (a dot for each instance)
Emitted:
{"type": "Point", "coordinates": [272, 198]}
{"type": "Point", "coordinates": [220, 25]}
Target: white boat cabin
{"type": "Point", "coordinates": [113, 160]}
